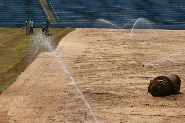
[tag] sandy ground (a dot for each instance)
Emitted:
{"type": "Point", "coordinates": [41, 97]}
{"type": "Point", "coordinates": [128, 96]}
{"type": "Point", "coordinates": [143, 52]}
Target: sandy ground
{"type": "Point", "coordinates": [97, 76]}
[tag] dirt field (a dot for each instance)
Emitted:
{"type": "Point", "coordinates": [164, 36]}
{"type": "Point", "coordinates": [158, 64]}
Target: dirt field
{"type": "Point", "coordinates": [97, 75]}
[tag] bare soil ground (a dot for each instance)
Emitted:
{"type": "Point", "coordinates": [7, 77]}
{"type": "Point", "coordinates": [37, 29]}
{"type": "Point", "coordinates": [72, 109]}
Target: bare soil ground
{"type": "Point", "coordinates": [97, 75]}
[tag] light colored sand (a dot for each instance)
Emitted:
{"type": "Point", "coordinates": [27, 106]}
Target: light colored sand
{"type": "Point", "coordinates": [108, 71]}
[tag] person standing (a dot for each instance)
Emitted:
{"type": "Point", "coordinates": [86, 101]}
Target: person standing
{"type": "Point", "coordinates": [43, 27]}
{"type": "Point", "coordinates": [47, 27]}
{"type": "Point", "coordinates": [31, 27]}
{"type": "Point", "coordinates": [27, 26]}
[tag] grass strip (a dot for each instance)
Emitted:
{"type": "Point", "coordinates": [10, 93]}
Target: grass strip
{"type": "Point", "coordinates": [14, 51]}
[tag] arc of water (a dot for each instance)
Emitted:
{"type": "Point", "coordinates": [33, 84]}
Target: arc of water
{"type": "Point", "coordinates": [42, 39]}
{"type": "Point", "coordinates": [74, 83]}
{"type": "Point", "coordinates": [133, 28]}
{"type": "Point", "coordinates": [136, 23]}
{"type": "Point", "coordinates": [163, 58]}
{"type": "Point", "coordinates": [110, 24]}
{"type": "Point", "coordinates": [127, 23]}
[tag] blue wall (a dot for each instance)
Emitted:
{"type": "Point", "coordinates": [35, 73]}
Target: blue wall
{"type": "Point", "coordinates": [16, 12]}
{"type": "Point", "coordinates": [168, 14]}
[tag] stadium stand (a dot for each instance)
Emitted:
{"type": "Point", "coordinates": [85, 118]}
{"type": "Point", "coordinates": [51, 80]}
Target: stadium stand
{"type": "Point", "coordinates": [13, 13]}
{"type": "Point", "coordinates": [160, 13]}
{"type": "Point", "coordinates": [48, 11]}
{"type": "Point", "coordinates": [82, 13]}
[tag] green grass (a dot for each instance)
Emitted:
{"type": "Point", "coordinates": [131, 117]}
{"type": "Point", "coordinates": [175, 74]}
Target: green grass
{"type": "Point", "coordinates": [14, 51]}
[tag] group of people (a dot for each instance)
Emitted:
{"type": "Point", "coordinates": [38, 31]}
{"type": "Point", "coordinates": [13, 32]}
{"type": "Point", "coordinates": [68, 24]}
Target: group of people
{"type": "Point", "coordinates": [29, 25]}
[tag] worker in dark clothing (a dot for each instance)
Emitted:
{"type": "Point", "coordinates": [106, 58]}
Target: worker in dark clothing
{"type": "Point", "coordinates": [43, 27]}
{"type": "Point", "coordinates": [31, 27]}
{"type": "Point", "coordinates": [47, 27]}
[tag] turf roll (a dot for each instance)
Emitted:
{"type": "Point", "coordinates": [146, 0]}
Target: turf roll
{"type": "Point", "coordinates": [164, 85]}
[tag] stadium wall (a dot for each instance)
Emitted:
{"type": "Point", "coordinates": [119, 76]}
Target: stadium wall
{"type": "Point", "coordinates": [163, 14]}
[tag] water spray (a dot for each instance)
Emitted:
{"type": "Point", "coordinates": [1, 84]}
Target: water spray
{"type": "Point", "coordinates": [127, 23]}
{"type": "Point", "coordinates": [111, 24]}
{"type": "Point", "coordinates": [133, 28]}
{"type": "Point", "coordinates": [136, 24]}
{"type": "Point", "coordinates": [155, 62]}
{"type": "Point", "coordinates": [43, 42]}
